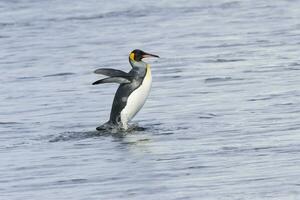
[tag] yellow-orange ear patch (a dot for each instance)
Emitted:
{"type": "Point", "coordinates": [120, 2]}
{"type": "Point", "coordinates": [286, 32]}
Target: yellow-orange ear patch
{"type": "Point", "coordinates": [131, 56]}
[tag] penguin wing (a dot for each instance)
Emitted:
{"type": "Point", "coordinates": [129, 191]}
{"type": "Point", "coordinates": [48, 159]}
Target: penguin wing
{"type": "Point", "coordinates": [111, 72]}
{"type": "Point", "coordinates": [119, 80]}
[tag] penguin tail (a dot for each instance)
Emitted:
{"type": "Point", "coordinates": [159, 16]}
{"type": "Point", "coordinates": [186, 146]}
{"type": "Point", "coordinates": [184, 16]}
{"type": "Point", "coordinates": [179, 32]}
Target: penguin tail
{"type": "Point", "coordinates": [106, 126]}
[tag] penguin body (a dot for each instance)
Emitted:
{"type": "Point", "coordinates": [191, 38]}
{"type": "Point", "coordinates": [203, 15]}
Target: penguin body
{"type": "Point", "coordinates": [133, 90]}
{"type": "Point", "coordinates": [137, 97]}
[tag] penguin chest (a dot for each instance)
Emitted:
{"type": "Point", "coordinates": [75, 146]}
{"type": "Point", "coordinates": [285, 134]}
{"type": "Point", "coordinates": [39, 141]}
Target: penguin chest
{"type": "Point", "coordinates": [137, 99]}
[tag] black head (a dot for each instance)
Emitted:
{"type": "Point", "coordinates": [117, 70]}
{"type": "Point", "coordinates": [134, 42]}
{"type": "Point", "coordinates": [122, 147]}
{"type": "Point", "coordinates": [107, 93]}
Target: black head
{"type": "Point", "coordinates": [137, 55]}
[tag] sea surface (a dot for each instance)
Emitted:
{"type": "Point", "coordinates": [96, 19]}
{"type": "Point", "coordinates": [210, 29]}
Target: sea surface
{"type": "Point", "coordinates": [222, 121]}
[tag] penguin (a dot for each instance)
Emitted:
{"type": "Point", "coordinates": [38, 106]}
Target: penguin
{"type": "Point", "coordinates": [132, 92]}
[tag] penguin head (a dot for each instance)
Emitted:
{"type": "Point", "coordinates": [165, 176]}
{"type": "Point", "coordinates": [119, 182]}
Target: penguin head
{"type": "Point", "coordinates": [137, 55]}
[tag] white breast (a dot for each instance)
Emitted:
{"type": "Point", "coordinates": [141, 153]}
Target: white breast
{"type": "Point", "coordinates": [136, 99]}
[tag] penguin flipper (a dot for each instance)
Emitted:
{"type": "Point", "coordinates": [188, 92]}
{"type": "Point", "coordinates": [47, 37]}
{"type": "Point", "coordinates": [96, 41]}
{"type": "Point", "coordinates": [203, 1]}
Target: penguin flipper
{"type": "Point", "coordinates": [119, 80]}
{"type": "Point", "coordinates": [111, 72]}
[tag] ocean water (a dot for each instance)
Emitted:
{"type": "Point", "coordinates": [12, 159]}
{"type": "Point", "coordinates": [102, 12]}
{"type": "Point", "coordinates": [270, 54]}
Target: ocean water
{"type": "Point", "coordinates": [222, 120]}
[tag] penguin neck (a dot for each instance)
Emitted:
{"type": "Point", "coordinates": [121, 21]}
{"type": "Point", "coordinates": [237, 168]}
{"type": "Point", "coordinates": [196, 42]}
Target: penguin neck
{"type": "Point", "coordinates": [138, 64]}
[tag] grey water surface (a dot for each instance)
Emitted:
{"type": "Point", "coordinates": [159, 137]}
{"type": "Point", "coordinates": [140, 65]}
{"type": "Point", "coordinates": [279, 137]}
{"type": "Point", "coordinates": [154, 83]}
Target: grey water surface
{"type": "Point", "coordinates": [222, 120]}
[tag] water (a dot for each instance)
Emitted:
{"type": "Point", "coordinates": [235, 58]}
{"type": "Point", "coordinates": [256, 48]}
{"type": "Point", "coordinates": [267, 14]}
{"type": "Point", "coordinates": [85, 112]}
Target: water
{"type": "Point", "coordinates": [222, 120]}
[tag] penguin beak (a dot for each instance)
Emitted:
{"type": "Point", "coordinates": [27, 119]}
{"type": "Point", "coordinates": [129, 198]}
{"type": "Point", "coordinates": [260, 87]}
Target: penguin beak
{"type": "Point", "coordinates": [147, 55]}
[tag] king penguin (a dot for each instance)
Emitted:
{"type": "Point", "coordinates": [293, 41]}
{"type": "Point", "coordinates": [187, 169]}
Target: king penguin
{"type": "Point", "coordinates": [133, 90]}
